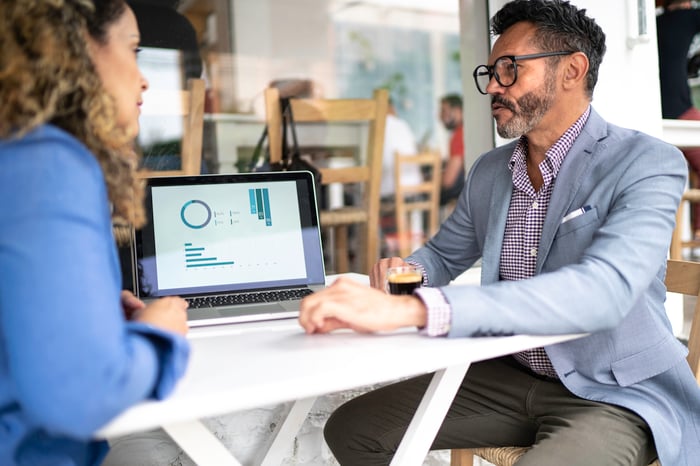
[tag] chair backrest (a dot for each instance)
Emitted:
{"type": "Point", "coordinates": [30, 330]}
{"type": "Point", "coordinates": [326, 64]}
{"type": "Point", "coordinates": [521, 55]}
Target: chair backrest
{"type": "Point", "coordinates": [678, 243]}
{"type": "Point", "coordinates": [423, 198]}
{"type": "Point", "coordinates": [189, 104]}
{"type": "Point", "coordinates": [367, 173]}
{"type": "Point", "coordinates": [684, 277]}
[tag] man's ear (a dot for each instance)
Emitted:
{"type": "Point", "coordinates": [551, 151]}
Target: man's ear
{"type": "Point", "coordinates": [575, 70]}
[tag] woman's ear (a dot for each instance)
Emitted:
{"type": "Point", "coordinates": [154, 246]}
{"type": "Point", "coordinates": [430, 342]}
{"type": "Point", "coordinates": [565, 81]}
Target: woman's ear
{"type": "Point", "coordinates": [91, 46]}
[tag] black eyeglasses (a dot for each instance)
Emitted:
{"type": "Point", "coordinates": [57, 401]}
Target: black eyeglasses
{"type": "Point", "coordinates": [505, 69]}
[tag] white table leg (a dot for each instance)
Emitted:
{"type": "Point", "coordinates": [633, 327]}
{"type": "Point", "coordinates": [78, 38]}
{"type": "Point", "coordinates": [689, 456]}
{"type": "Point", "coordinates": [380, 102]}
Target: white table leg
{"type": "Point", "coordinates": [200, 444]}
{"type": "Point", "coordinates": [286, 431]}
{"type": "Point", "coordinates": [429, 416]}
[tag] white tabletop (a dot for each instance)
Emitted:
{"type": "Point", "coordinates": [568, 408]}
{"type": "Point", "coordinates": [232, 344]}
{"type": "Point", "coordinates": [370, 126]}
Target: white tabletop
{"type": "Point", "coordinates": [243, 366]}
{"type": "Point", "coordinates": [237, 367]}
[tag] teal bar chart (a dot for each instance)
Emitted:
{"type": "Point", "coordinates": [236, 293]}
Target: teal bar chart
{"type": "Point", "coordinates": [196, 256]}
{"type": "Point", "coordinates": [260, 204]}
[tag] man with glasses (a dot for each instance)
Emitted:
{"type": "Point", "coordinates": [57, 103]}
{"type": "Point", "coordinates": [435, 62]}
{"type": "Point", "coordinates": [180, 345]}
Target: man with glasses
{"type": "Point", "coordinates": [572, 221]}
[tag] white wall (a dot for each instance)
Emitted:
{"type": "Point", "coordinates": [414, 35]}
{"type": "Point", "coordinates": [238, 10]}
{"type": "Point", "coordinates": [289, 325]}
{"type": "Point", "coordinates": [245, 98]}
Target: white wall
{"type": "Point", "coordinates": [628, 91]}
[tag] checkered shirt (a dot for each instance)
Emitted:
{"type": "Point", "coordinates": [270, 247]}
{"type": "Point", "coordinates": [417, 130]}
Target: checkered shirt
{"type": "Point", "coordinates": [439, 312]}
{"type": "Point", "coordinates": [525, 220]}
{"type": "Point", "coordinates": [524, 223]}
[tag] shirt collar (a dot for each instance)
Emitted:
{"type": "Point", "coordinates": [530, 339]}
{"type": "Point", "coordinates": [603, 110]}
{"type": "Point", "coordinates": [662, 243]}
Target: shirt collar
{"type": "Point", "coordinates": [555, 154]}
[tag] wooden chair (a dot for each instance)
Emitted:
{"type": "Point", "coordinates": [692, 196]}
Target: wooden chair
{"type": "Point", "coordinates": [423, 198]}
{"type": "Point", "coordinates": [678, 244]}
{"type": "Point", "coordinates": [681, 277]}
{"type": "Point", "coordinates": [367, 174]}
{"type": "Point", "coordinates": [189, 104]}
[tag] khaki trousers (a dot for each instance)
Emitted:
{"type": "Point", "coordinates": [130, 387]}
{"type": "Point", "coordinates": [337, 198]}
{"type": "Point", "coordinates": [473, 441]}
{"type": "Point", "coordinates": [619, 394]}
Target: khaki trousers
{"type": "Point", "coordinates": [500, 403]}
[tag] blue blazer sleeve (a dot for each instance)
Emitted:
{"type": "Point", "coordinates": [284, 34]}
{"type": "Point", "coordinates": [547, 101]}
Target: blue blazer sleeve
{"type": "Point", "coordinates": [69, 359]}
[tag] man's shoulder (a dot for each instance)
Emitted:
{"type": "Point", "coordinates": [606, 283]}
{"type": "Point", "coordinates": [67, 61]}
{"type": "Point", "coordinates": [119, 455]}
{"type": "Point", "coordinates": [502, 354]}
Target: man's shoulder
{"type": "Point", "coordinates": [618, 135]}
{"type": "Point", "coordinates": [600, 130]}
{"type": "Point", "coordinates": [621, 149]}
{"type": "Point", "coordinates": [396, 124]}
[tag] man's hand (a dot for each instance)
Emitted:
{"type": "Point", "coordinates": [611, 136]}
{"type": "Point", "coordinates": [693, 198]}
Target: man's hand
{"type": "Point", "coordinates": [377, 277]}
{"type": "Point", "coordinates": [348, 304]}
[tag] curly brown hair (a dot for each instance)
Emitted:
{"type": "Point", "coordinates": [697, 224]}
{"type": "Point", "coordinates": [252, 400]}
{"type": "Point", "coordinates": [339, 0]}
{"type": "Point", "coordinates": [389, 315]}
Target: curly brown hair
{"type": "Point", "coordinates": [47, 76]}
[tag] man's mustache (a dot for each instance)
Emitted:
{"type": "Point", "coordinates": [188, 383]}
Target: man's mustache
{"type": "Point", "coordinates": [496, 99]}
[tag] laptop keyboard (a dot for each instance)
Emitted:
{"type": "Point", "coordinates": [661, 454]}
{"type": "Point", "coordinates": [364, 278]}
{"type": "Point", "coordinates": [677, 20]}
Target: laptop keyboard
{"type": "Point", "coordinates": [247, 298]}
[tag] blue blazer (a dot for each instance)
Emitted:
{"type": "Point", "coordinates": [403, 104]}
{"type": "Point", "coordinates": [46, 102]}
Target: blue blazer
{"type": "Point", "coordinates": [69, 362]}
{"type": "Point", "coordinates": [601, 273]}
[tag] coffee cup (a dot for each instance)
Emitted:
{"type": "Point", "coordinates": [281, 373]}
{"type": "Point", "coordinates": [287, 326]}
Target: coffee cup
{"type": "Point", "coordinates": [404, 279]}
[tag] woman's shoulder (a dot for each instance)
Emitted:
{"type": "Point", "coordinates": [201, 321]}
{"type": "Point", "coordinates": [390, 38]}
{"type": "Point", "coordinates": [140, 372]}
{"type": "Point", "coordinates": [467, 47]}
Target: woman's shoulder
{"type": "Point", "coordinates": [47, 146]}
{"type": "Point", "coordinates": [42, 135]}
{"type": "Point", "coordinates": [50, 159]}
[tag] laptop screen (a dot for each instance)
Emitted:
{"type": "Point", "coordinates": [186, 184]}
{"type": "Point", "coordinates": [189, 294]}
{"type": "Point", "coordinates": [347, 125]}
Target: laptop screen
{"type": "Point", "coordinates": [224, 233]}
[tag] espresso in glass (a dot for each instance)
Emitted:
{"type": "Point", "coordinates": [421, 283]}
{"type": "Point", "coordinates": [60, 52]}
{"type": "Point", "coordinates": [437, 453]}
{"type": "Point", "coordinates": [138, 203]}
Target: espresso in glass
{"type": "Point", "coordinates": [404, 279]}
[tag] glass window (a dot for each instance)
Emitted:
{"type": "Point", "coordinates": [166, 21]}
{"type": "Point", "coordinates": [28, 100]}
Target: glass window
{"type": "Point", "coordinates": [336, 49]}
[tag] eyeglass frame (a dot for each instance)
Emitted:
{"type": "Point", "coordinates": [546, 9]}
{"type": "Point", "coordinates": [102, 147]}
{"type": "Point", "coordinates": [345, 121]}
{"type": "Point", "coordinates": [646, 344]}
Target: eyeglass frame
{"type": "Point", "coordinates": [514, 58]}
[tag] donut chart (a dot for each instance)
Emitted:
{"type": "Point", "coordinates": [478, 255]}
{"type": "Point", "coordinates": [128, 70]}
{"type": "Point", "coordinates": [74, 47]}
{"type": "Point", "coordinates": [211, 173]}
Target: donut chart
{"type": "Point", "coordinates": [195, 214]}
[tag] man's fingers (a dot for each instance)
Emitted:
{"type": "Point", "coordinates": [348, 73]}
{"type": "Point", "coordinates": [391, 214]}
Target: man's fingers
{"type": "Point", "coordinates": [323, 311]}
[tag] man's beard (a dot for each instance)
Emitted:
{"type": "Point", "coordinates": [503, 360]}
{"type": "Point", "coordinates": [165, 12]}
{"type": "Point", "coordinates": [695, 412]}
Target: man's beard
{"type": "Point", "coordinates": [450, 125]}
{"type": "Point", "coordinates": [532, 108]}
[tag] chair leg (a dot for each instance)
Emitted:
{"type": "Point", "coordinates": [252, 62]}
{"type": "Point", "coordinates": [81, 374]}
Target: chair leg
{"type": "Point", "coordinates": [341, 249]}
{"type": "Point", "coordinates": [676, 250]}
{"type": "Point", "coordinates": [461, 457]}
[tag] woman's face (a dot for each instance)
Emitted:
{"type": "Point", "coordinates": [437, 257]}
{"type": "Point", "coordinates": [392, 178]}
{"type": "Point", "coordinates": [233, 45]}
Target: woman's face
{"type": "Point", "coordinates": [116, 65]}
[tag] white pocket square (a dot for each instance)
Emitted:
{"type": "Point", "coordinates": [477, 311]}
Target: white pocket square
{"type": "Point", "coordinates": [575, 213]}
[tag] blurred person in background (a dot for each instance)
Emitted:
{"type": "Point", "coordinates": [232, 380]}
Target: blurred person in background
{"type": "Point", "coordinates": [453, 171]}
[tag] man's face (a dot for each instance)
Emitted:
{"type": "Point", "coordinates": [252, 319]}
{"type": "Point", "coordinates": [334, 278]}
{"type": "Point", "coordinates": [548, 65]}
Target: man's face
{"type": "Point", "coordinates": [520, 108]}
{"type": "Point", "coordinates": [451, 117]}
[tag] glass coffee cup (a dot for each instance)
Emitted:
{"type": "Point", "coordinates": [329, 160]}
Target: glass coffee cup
{"type": "Point", "coordinates": [404, 279]}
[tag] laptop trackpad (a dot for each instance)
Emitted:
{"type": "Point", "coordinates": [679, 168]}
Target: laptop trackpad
{"type": "Point", "coordinates": [213, 313]}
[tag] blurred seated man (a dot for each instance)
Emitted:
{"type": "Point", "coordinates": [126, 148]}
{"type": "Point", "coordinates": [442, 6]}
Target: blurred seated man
{"type": "Point", "coordinates": [453, 171]}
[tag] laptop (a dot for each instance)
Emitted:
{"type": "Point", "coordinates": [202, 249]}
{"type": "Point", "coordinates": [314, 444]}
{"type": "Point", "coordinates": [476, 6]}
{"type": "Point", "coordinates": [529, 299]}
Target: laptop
{"type": "Point", "coordinates": [239, 247]}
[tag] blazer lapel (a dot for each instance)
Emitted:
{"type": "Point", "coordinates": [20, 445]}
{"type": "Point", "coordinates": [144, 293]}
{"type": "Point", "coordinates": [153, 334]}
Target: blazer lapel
{"type": "Point", "coordinates": [574, 169]}
{"type": "Point", "coordinates": [501, 192]}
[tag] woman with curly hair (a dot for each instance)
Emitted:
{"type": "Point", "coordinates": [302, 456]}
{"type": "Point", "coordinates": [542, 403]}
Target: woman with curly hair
{"type": "Point", "coordinates": [75, 350]}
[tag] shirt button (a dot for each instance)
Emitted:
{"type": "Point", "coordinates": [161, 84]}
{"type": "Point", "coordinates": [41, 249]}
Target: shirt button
{"type": "Point", "coordinates": [535, 205]}
{"type": "Point", "coordinates": [533, 252]}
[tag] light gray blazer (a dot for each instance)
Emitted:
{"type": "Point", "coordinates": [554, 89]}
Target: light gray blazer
{"type": "Point", "coordinates": [600, 273]}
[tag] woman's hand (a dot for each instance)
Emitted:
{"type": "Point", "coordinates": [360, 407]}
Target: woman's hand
{"type": "Point", "coordinates": [130, 304]}
{"type": "Point", "coordinates": [167, 313]}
